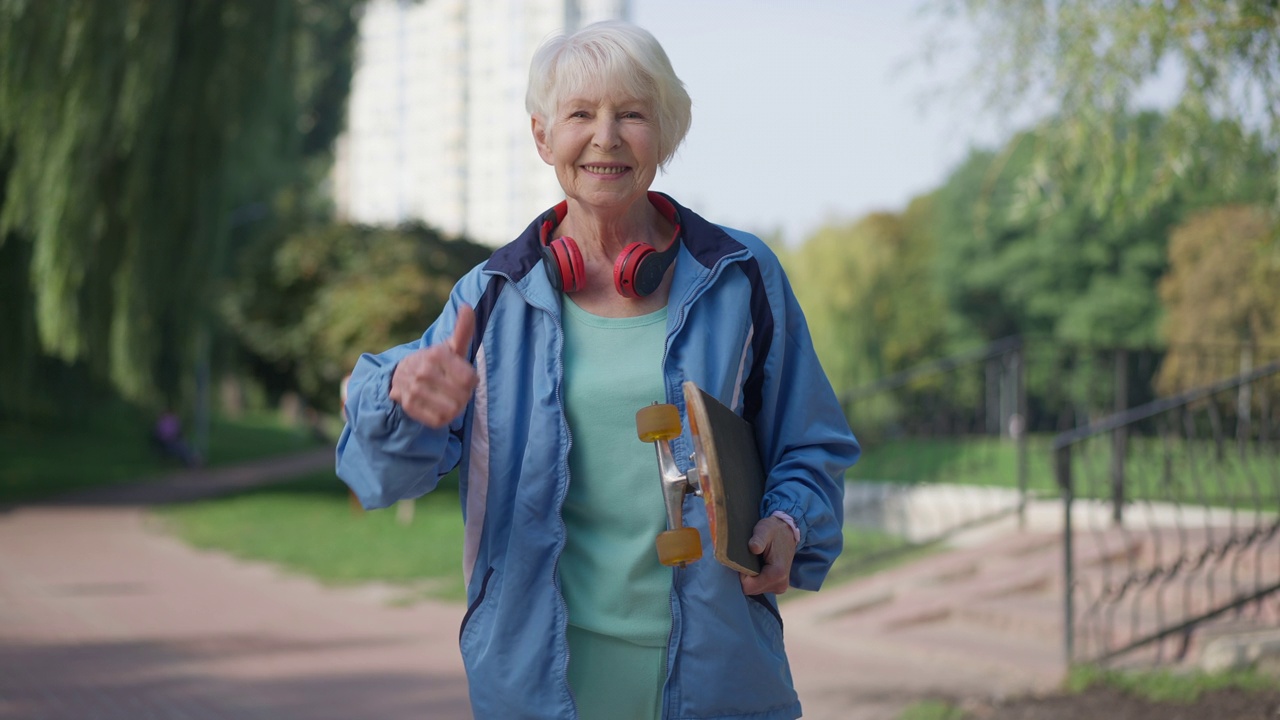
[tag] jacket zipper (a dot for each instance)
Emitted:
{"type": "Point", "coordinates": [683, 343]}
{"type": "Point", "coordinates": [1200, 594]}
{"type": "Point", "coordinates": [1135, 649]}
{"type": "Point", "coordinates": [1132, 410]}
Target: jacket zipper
{"type": "Point", "coordinates": [671, 637]}
{"type": "Point", "coordinates": [562, 488]}
{"type": "Point", "coordinates": [694, 293]}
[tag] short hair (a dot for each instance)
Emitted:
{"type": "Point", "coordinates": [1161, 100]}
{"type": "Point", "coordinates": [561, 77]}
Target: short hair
{"type": "Point", "coordinates": [608, 53]}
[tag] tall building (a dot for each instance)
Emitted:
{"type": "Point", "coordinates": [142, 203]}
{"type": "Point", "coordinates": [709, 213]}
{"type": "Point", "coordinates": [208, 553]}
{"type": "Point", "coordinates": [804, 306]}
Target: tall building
{"type": "Point", "coordinates": [436, 125]}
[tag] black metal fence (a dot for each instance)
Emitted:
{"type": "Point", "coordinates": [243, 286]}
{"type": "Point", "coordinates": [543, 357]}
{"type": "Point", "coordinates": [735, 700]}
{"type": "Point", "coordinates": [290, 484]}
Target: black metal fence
{"type": "Point", "coordinates": [966, 440]}
{"type": "Point", "coordinates": [945, 448]}
{"type": "Point", "coordinates": [1172, 517]}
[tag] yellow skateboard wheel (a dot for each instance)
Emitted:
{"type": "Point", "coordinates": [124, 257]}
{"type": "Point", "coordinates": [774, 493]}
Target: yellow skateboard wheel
{"type": "Point", "coordinates": [658, 422]}
{"type": "Point", "coordinates": [679, 546]}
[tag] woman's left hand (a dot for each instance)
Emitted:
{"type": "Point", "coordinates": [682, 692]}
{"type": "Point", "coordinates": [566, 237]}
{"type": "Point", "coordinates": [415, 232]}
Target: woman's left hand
{"type": "Point", "coordinates": [776, 541]}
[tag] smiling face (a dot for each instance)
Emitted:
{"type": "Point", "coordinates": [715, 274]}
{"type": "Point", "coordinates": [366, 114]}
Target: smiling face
{"type": "Point", "coordinates": [604, 147]}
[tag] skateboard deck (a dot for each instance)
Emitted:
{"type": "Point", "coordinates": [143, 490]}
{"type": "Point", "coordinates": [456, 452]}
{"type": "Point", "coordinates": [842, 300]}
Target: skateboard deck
{"type": "Point", "coordinates": [730, 474]}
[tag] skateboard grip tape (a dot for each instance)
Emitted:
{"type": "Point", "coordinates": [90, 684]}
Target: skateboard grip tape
{"type": "Point", "coordinates": [733, 449]}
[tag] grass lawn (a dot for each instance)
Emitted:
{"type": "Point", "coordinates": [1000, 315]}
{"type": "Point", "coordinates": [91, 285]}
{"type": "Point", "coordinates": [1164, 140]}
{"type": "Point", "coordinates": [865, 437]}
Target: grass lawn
{"type": "Point", "coordinates": [1191, 472]}
{"type": "Point", "coordinates": [1165, 686]}
{"type": "Point", "coordinates": [111, 445]}
{"type": "Point", "coordinates": [308, 526]}
{"type": "Point", "coordinates": [252, 437]}
{"type": "Point", "coordinates": [1146, 694]}
{"type": "Point", "coordinates": [974, 460]}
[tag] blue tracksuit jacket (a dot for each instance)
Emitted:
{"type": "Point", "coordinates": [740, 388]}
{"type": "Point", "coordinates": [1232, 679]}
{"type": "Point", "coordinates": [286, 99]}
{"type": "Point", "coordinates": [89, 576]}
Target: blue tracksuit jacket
{"type": "Point", "coordinates": [735, 329]}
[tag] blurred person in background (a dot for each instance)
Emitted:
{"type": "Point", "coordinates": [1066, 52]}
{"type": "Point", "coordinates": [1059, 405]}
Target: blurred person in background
{"type": "Point", "coordinates": [168, 439]}
{"type": "Point", "coordinates": [530, 381]}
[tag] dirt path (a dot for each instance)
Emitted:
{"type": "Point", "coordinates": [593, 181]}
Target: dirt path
{"type": "Point", "coordinates": [103, 617]}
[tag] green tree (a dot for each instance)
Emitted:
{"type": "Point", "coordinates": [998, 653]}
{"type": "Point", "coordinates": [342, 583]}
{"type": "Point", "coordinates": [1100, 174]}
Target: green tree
{"type": "Point", "coordinates": [920, 326]}
{"type": "Point", "coordinates": [329, 292]}
{"type": "Point", "coordinates": [840, 276]}
{"type": "Point", "coordinates": [1089, 61]}
{"type": "Point", "coordinates": [869, 293]}
{"type": "Point", "coordinates": [129, 131]}
{"type": "Point", "coordinates": [1030, 252]}
{"type": "Point", "coordinates": [875, 308]}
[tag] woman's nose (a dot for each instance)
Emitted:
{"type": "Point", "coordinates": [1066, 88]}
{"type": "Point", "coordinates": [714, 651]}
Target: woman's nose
{"type": "Point", "coordinates": [606, 133]}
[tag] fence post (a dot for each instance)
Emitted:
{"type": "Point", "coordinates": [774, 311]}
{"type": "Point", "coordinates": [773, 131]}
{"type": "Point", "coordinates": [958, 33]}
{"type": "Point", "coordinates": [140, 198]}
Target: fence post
{"type": "Point", "coordinates": [1062, 471]}
{"type": "Point", "coordinates": [992, 405]}
{"type": "Point", "coordinates": [1022, 429]}
{"type": "Point", "coordinates": [1119, 438]}
{"type": "Point", "coordinates": [1244, 398]}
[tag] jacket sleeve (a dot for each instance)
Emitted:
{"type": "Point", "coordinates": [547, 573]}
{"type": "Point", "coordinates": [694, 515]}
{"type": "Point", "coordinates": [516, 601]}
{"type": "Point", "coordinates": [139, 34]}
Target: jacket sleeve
{"type": "Point", "coordinates": [804, 437]}
{"type": "Point", "coordinates": [384, 455]}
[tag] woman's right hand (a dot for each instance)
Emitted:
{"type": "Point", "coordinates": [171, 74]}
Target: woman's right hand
{"type": "Point", "coordinates": [433, 385]}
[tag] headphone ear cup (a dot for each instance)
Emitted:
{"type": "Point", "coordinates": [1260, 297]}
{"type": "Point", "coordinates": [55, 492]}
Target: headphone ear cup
{"type": "Point", "coordinates": [552, 266]}
{"type": "Point", "coordinates": [634, 277]}
{"type": "Point", "coordinates": [564, 259]}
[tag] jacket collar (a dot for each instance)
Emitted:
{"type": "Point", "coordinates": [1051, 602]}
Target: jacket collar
{"type": "Point", "coordinates": [705, 248]}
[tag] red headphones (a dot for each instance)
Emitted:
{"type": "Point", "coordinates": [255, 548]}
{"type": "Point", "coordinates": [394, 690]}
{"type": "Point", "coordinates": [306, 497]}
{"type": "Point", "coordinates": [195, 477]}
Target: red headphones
{"type": "Point", "coordinates": [637, 272]}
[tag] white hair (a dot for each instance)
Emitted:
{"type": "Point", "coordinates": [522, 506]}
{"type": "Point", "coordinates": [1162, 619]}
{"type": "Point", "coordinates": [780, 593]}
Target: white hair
{"type": "Point", "coordinates": [611, 54]}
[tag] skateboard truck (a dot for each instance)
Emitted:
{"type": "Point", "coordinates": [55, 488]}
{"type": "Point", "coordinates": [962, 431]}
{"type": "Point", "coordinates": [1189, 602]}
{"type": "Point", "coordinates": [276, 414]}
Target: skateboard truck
{"type": "Point", "coordinates": [725, 472]}
{"type": "Point", "coordinates": [678, 545]}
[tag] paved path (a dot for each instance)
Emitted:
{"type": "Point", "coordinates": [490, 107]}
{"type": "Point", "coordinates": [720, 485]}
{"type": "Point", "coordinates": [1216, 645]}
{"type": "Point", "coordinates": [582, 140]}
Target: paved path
{"type": "Point", "coordinates": [102, 616]}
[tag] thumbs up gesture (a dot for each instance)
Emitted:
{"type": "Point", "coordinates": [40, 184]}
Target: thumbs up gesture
{"type": "Point", "coordinates": [433, 385]}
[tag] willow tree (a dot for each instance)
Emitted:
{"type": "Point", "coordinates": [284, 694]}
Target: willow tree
{"type": "Point", "coordinates": [1089, 62]}
{"type": "Point", "coordinates": [130, 130]}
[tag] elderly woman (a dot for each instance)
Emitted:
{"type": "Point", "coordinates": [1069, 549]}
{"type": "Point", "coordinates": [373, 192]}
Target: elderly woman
{"type": "Point", "coordinates": [530, 380]}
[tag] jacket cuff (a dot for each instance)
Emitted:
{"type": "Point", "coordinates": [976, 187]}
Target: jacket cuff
{"type": "Point", "coordinates": [392, 414]}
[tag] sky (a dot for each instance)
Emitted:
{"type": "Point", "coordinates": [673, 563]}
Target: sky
{"type": "Point", "coordinates": [809, 111]}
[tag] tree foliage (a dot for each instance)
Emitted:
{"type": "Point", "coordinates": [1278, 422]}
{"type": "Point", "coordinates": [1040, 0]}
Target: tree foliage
{"type": "Point", "coordinates": [868, 294]}
{"type": "Point", "coordinates": [329, 292]}
{"type": "Point", "coordinates": [839, 276]}
{"type": "Point", "coordinates": [1031, 252]}
{"type": "Point", "coordinates": [1222, 290]}
{"type": "Point", "coordinates": [1091, 60]}
{"type": "Point", "coordinates": [129, 131]}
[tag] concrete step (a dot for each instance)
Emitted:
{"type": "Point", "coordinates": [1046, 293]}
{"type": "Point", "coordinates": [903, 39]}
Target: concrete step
{"type": "Point", "coordinates": [1038, 616]}
{"type": "Point", "coordinates": [1103, 627]}
{"type": "Point", "coordinates": [939, 659]}
{"type": "Point", "coordinates": [1013, 660]}
{"type": "Point", "coordinates": [990, 612]}
{"type": "Point", "coordinates": [963, 587]}
{"type": "Point", "coordinates": [944, 574]}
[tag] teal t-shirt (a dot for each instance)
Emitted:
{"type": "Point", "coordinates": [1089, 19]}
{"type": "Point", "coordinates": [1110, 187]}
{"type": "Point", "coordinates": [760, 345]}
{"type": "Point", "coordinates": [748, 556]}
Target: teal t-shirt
{"type": "Point", "coordinates": [612, 581]}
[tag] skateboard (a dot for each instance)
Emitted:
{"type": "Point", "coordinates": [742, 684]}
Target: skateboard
{"type": "Point", "coordinates": [726, 473]}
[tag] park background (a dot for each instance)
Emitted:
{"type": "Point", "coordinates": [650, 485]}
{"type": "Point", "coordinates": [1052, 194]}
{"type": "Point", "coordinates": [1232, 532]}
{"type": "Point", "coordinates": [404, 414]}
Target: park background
{"type": "Point", "coordinates": [1095, 180]}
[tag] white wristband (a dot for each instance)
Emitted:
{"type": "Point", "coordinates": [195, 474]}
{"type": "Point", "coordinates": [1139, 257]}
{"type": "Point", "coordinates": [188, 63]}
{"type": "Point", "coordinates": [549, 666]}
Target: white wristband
{"type": "Point", "coordinates": [791, 523]}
